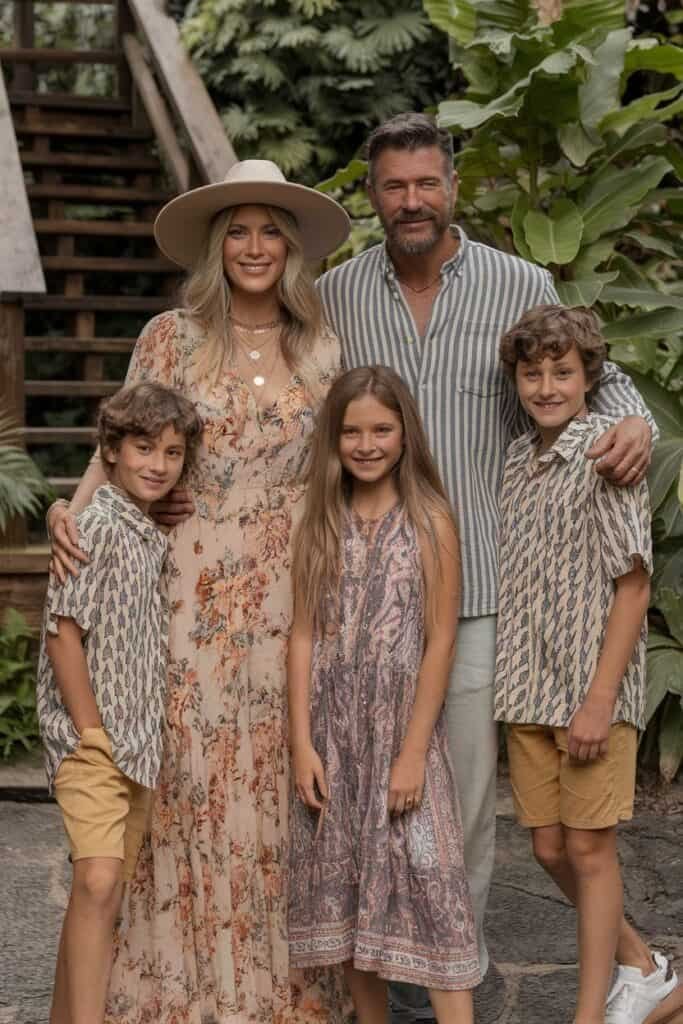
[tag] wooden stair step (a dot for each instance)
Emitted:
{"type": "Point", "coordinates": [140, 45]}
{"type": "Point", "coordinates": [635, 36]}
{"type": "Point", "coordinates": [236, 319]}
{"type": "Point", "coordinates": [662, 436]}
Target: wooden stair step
{"type": "Point", "coordinates": [71, 388]}
{"type": "Point", "coordinates": [94, 264]}
{"type": "Point", "coordinates": [31, 559]}
{"type": "Point", "coordinates": [97, 303]}
{"type": "Point", "coordinates": [49, 55]}
{"type": "Point", "coordinates": [95, 161]}
{"type": "Point", "coordinates": [64, 486]}
{"type": "Point", "coordinates": [113, 133]}
{"type": "Point", "coordinates": [97, 346]}
{"type": "Point", "coordinates": [98, 194]}
{"type": "Point", "coordinates": [123, 228]}
{"type": "Point", "coordinates": [59, 435]}
{"type": "Point", "coordinates": [68, 101]}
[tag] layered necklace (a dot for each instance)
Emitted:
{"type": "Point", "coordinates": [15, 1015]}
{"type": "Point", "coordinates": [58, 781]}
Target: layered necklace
{"type": "Point", "coordinates": [246, 335]}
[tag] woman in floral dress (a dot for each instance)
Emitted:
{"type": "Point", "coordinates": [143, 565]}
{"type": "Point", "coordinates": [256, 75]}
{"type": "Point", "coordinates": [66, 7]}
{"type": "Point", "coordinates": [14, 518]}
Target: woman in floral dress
{"type": "Point", "coordinates": [203, 937]}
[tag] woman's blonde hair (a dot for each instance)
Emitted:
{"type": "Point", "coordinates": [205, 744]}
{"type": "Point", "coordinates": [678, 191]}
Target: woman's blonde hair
{"type": "Point", "coordinates": [206, 296]}
{"type": "Point", "coordinates": [317, 541]}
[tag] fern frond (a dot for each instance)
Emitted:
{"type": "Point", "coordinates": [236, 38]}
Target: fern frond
{"type": "Point", "coordinates": [314, 8]}
{"type": "Point", "coordinates": [357, 54]}
{"type": "Point", "coordinates": [259, 69]}
{"type": "Point", "coordinates": [397, 33]}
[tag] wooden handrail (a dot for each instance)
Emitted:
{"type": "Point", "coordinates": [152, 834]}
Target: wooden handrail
{"type": "Point", "coordinates": [157, 112]}
{"type": "Point", "coordinates": [185, 90]}
{"type": "Point", "coordinates": [20, 270]}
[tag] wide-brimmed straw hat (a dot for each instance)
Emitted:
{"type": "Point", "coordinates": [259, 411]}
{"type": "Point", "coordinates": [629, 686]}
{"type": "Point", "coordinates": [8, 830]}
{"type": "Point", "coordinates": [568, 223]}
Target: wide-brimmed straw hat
{"type": "Point", "coordinates": [182, 226]}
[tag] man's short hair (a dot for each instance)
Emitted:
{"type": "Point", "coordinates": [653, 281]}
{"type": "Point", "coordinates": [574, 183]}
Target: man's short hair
{"type": "Point", "coordinates": [551, 331]}
{"type": "Point", "coordinates": [145, 410]}
{"type": "Point", "coordinates": [409, 131]}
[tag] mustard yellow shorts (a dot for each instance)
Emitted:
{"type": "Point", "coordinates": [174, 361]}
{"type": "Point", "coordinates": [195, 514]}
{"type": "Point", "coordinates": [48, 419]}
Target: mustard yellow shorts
{"type": "Point", "coordinates": [550, 788]}
{"type": "Point", "coordinates": [105, 813]}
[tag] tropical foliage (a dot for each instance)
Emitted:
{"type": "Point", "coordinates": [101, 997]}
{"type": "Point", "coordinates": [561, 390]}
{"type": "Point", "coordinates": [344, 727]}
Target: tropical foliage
{"type": "Point", "coordinates": [301, 81]}
{"type": "Point", "coordinates": [23, 488]}
{"type": "Point", "coordinates": [18, 718]}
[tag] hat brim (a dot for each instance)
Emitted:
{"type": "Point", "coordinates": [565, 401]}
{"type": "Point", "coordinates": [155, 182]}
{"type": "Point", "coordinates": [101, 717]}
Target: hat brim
{"type": "Point", "coordinates": [182, 227]}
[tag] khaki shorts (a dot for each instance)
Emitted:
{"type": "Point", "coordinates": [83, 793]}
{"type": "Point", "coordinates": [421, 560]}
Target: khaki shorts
{"type": "Point", "coordinates": [105, 813]}
{"type": "Point", "coordinates": [549, 787]}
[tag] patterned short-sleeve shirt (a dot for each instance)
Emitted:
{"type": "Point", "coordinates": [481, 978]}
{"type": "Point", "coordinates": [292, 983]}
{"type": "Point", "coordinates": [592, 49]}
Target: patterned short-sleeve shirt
{"type": "Point", "coordinates": [566, 534]}
{"type": "Point", "coordinates": [117, 600]}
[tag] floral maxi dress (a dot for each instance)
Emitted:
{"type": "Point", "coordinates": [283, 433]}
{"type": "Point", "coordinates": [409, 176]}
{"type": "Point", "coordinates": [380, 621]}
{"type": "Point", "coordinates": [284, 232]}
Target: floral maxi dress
{"type": "Point", "coordinates": [203, 935]}
{"type": "Point", "coordinates": [389, 893]}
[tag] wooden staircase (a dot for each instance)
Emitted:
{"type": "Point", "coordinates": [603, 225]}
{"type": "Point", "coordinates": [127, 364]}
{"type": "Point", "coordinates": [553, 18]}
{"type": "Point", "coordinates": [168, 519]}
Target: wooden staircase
{"type": "Point", "coordinates": [84, 178]}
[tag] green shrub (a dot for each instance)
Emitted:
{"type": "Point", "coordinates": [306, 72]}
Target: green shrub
{"type": "Point", "coordinates": [18, 718]}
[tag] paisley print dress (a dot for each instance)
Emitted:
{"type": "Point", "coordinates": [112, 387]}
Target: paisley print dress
{"type": "Point", "coordinates": [387, 892]}
{"type": "Point", "coordinates": [203, 936]}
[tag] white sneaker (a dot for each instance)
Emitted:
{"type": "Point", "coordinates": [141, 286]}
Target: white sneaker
{"type": "Point", "coordinates": [638, 999]}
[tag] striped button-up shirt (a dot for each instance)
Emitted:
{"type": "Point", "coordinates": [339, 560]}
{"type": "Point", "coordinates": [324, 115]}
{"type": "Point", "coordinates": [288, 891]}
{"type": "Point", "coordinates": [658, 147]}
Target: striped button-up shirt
{"type": "Point", "coordinates": [469, 407]}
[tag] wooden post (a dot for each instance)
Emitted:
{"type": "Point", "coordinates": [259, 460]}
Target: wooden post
{"type": "Point", "coordinates": [12, 390]}
{"type": "Point", "coordinates": [124, 24]}
{"type": "Point", "coordinates": [24, 74]}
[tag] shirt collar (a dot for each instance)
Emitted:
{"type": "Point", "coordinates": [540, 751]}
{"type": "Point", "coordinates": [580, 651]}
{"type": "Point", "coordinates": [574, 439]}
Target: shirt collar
{"type": "Point", "coordinates": [453, 265]}
{"type": "Point", "coordinates": [572, 439]}
{"type": "Point", "coordinates": [110, 497]}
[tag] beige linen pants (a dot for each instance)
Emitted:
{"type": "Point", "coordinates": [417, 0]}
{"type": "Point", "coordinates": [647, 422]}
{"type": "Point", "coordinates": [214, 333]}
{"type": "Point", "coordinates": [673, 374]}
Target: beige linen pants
{"type": "Point", "coordinates": [473, 737]}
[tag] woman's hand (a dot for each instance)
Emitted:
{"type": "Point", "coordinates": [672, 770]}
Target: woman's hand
{"type": "Point", "coordinates": [309, 773]}
{"type": "Point", "coordinates": [64, 548]}
{"type": "Point", "coordinates": [406, 782]}
{"type": "Point", "coordinates": [174, 508]}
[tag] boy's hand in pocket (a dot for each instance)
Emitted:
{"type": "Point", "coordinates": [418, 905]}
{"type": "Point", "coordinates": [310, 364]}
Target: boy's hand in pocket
{"type": "Point", "coordinates": [589, 730]}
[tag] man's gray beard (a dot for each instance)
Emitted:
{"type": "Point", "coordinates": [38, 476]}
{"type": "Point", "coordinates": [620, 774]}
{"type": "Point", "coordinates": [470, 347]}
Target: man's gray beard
{"type": "Point", "coordinates": [420, 245]}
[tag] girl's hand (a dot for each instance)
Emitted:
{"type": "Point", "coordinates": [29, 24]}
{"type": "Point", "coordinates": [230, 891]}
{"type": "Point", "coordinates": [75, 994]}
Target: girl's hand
{"type": "Point", "coordinates": [309, 773]}
{"type": "Point", "coordinates": [406, 782]}
{"type": "Point", "coordinates": [63, 542]}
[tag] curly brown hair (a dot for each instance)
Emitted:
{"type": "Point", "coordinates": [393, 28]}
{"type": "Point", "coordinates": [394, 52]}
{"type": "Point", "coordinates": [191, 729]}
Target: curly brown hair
{"type": "Point", "coordinates": [551, 331]}
{"type": "Point", "coordinates": [144, 410]}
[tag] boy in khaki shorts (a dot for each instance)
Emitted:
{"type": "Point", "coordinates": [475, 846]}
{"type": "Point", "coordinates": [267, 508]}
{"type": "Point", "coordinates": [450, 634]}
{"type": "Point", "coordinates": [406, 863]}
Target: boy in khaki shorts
{"type": "Point", "coordinates": [102, 679]}
{"type": "Point", "coordinates": [575, 559]}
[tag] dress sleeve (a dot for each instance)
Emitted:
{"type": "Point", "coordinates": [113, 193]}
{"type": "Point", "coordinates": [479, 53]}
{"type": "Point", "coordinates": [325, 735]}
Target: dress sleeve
{"type": "Point", "coordinates": [157, 354]}
{"type": "Point", "coordinates": [623, 519]}
{"type": "Point", "coordinates": [79, 597]}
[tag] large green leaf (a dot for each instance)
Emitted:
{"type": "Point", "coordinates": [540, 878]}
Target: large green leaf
{"type": "Point", "coordinates": [656, 324]}
{"type": "Point", "coordinates": [667, 455]}
{"type": "Point", "coordinates": [653, 243]}
{"type": "Point", "coordinates": [556, 237]}
{"type": "Point", "coordinates": [610, 203]}
{"type": "Point", "coordinates": [640, 354]}
{"type": "Point", "coordinates": [354, 171]}
{"type": "Point", "coordinates": [581, 17]}
{"type": "Point", "coordinates": [667, 522]}
{"type": "Point", "coordinates": [647, 107]}
{"type": "Point", "coordinates": [664, 406]}
{"type": "Point", "coordinates": [664, 675]}
{"type": "Point", "coordinates": [671, 739]}
{"type": "Point", "coordinates": [458, 19]}
{"type": "Point", "coordinates": [465, 19]}
{"type": "Point", "coordinates": [519, 212]}
{"type": "Point", "coordinates": [590, 256]}
{"type": "Point", "coordinates": [583, 291]}
{"type": "Point", "coordinates": [466, 115]}
{"type": "Point", "coordinates": [644, 299]}
{"type": "Point", "coordinates": [599, 94]}
{"type": "Point", "coordinates": [578, 143]}
{"type": "Point", "coordinates": [651, 55]}
{"type": "Point", "coordinates": [670, 603]}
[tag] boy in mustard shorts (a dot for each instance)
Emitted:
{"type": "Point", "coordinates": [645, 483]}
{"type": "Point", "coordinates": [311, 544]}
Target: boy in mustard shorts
{"type": "Point", "coordinates": [575, 560]}
{"type": "Point", "coordinates": [102, 680]}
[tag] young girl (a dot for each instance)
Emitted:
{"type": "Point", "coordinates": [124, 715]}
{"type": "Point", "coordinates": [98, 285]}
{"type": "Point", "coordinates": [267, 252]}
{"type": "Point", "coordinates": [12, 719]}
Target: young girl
{"type": "Point", "coordinates": [377, 878]}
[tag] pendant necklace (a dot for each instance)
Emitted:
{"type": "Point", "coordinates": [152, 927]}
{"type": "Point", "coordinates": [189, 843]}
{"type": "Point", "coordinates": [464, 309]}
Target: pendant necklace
{"type": "Point", "coordinates": [255, 353]}
{"type": "Point", "coordinates": [424, 288]}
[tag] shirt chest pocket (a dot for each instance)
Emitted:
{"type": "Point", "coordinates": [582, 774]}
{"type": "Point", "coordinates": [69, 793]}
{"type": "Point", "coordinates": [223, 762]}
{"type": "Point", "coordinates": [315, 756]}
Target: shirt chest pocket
{"type": "Point", "coordinates": [479, 372]}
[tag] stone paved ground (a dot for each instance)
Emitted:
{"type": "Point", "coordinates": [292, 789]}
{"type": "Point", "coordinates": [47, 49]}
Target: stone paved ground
{"type": "Point", "coordinates": [530, 928]}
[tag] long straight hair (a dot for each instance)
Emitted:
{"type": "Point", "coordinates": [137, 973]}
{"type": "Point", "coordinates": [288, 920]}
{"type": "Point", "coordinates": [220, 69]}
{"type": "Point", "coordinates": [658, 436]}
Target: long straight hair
{"type": "Point", "coordinates": [317, 543]}
{"type": "Point", "coordinates": [207, 297]}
